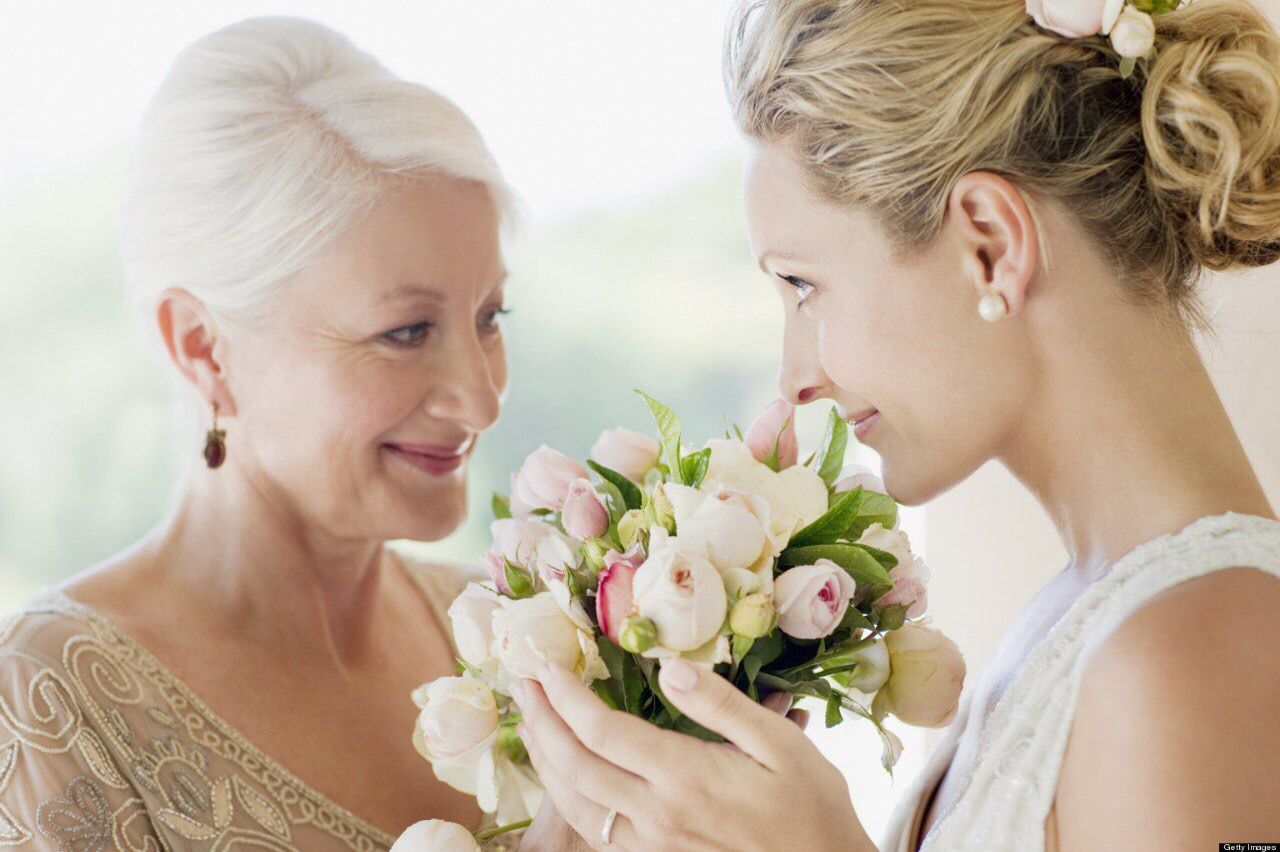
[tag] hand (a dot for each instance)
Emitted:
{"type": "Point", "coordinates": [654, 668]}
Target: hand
{"type": "Point", "coordinates": [550, 833]}
{"type": "Point", "coordinates": [768, 787]}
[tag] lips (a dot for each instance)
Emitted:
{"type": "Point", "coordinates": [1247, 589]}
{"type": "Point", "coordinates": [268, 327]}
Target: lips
{"type": "Point", "coordinates": [434, 459]}
{"type": "Point", "coordinates": [863, 422]}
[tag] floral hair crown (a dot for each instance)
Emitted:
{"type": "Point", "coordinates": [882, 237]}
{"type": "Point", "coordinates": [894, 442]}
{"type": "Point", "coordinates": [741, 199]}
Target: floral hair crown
{"type": "Point", "coordinates": [1128, 22]}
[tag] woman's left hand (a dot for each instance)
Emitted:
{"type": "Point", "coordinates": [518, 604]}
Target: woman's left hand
{"type": "Point", "coordinates": [768, 787]}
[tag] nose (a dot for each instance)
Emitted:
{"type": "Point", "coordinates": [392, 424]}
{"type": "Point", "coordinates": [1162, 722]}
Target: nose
{"type": "Point", "coordinates": [801, 378]}
{"type": "Point", "coordinates": [470, 386]}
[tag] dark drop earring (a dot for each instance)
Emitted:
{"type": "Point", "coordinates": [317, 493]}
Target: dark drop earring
{"type": "Point", "coordinates": [215, 448]}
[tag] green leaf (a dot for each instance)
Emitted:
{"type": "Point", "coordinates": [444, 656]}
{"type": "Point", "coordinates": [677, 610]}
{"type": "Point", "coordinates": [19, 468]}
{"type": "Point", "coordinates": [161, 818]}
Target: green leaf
{"type": "Point", "coordinates": [876, 508]}
{"type": "Point", "coordinates": [613, 498]}
{"type": "Point", "coordinates": [737, 431]}
{"type": "Point", "coordinates": [860, 565]}
{"type": "Point", "coordinates": [833, 523]}
{"type": "Point", "coordinates": [501, 506]}
{"type": "Point", "coordinates": [518, 580]}
{"type": "Point", "coordinates": [741, 645]}
{"type": "Point", "coordinates": [685, 725]}
{"type": "Point", "coordinates": [1126, 66]}
{"type": "Point", "coordinates": [829, 459]}
{"type": "Point", "coordinates": [884, 557]}
{"type": "Point", "coordinates": [834, 716]}
{"type": "Point", "coordinates": [763, 652]}
{"type": "Point", "coordinates": [630, 493]}
{"type": "Point", "coordinates": [669, 431]}
{"type": "Point", "coordinates": [854, 619]}
{"type": "Point", "coordinates": [693, 467]}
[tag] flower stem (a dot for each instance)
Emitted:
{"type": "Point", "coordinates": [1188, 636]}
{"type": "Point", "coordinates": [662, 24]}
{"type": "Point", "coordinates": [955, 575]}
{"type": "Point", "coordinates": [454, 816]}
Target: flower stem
{"type": "Point", "coordinates": [490, 833]}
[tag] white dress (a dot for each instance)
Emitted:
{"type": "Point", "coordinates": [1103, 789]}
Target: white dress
{"type": "Point", "coordinates": [1003, 801]}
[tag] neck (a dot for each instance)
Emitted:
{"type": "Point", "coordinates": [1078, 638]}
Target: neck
{"type": "Point", "coordinates": [1129, 441]}
{"type": "Point", "coordinates": [244, 551]}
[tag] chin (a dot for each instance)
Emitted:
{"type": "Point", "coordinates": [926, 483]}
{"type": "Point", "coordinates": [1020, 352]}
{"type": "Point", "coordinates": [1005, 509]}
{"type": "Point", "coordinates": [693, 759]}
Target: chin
{"type": "Point", "coordinates": [433, 518]}
{"type": "Point", "coordinates": [916, 486]}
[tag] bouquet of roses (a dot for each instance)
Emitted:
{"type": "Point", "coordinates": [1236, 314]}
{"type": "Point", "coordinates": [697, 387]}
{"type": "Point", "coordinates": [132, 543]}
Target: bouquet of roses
{"type": "Point", "coordinates": [779, 575]}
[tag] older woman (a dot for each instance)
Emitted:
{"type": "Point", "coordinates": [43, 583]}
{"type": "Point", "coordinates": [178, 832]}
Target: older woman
{"type": "Point", "coordinates": [315, 246]}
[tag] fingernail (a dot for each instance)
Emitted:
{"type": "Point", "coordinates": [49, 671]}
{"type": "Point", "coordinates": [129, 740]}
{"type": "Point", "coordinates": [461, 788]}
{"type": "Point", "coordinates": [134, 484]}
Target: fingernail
{"type": "Point", "coordinates": [679, 675]}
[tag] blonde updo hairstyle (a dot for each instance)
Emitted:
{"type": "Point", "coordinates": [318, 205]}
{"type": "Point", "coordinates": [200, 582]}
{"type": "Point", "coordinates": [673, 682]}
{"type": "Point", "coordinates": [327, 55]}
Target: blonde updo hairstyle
{"type": "Point", "coordinates": [1173, 170]}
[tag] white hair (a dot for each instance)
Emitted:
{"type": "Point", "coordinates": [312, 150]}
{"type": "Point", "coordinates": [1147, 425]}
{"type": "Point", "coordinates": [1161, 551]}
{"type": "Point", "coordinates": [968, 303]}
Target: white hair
{"type": "Point", "coordinates": [265, 142]}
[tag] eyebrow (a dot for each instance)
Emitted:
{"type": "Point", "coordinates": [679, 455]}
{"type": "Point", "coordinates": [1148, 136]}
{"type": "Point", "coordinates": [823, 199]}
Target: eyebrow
{"type": "Point", "coordinates": [430, 293]}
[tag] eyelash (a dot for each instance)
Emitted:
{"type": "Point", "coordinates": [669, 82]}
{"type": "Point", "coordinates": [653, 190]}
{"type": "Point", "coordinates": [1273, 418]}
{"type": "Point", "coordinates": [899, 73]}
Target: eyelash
{"type": "Point", "coordinates": [419, 330]}
{"type": "Point", "coordinates": [804, 288]}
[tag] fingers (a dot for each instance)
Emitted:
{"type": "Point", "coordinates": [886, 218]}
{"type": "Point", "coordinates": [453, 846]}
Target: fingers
{"type": "Point", "coordinates": [575, 765]}
{"type": "Point", "coordinates": [779, 702]}
{"type": "Point", "coordinates": [584, 816]}
{"type": "Point", "coordinates": [715, 703]}
{"type": "Point", "coordinates": [620, 738]}
{"type": "Point", "coordinates": [800, 717]}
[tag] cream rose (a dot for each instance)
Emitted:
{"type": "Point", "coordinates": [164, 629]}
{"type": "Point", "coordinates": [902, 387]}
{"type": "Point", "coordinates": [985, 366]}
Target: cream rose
{"type": "Point", "coordinates": [812, 599]}
{"type": "Point", "coordinates": [1075, 18]}
{"type": "Point", "coordinates": [532, 631]}
{"type": "Point", "coordinates": [458, 719]}
{"type": "Point", "coordinates": [856, 475]}
{"type": "Point", "coordinates": [680, 591]}
{"type": "Point", "coordinates": [926, 676]}
{"type": "Point", "coordinates": [873, 666]}
{"type": "Point", "coordinates": [796, 496]}
{"type": "Point", "coordinates": [1134, 33]}
{"type": "Point", "coordinates": [629, 453]}
{"type": "Point", "coordinates": [732, 525]}
{"type": "Point", "coordinates": [471, 616]}
{"type": "Point", "coordinates": [435, 835]}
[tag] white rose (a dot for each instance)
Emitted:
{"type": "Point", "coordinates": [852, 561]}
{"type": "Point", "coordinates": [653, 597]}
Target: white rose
{"type": "Point", "coordinates": [532, 631]}
{"type": "Point", "coordinates": [555, 556]}
{"type": "Point", "coordinates": [796, 495]}
{"type": "Point", "coordinates": [457, 722]}
{"type": "Point", "coordinates": [516, 540]}
{"type": "Point", "coordinates": [629, 453]}
{"type": "Point", "coordinates": [857, 475]}
{"type": "Point", "coordinates": [543, 481]}
{"type": "Point", "coordinates": [1134, 33]}
{"type": "Point", "coordinates": [910, 576]}
{"type": "Point", "coordinates": [471, 615]}
{"type": "Point", "coordinates": [680, 591]}
{"type": "Point", "coordinates": [732, 526]}
{"type": "Point", "coordinates": [435, 835]}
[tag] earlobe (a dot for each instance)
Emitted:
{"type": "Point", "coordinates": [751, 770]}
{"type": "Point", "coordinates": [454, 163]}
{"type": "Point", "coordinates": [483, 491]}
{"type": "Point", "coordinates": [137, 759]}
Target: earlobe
{"type": "Point", "coordinates": [999, 232]}
{"type": "Point", "coordinates": [190, 337]}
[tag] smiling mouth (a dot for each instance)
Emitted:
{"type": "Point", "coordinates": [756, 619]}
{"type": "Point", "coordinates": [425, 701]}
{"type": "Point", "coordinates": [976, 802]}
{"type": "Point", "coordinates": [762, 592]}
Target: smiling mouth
{"type": "Point", "coordinates": [433, 459]}
{"type": "Point", "coordinates": [863, 422]}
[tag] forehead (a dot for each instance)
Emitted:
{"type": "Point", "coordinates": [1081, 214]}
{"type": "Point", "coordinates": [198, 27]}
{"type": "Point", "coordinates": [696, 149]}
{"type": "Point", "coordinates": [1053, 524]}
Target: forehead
{"type": "Point", "coordinates": [428, 232]}
{"type": "Point", "coordinates": [784, 215]}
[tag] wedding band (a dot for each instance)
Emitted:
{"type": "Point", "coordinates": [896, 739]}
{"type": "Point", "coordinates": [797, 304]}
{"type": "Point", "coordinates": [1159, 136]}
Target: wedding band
{"type": "Point", "coordinates": [607, 832]}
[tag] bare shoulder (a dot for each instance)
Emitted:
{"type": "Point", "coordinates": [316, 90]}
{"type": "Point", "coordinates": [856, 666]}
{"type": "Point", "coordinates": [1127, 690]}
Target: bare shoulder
{"type": "Point", "coordinates": [1173, 743]}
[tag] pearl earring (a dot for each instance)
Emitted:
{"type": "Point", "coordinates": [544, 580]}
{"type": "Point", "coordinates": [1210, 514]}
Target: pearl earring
{"type": "Point", "coordinates": [992, 306]}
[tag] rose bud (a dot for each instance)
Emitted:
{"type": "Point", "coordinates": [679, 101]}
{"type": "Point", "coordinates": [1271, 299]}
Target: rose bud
{"type": "Point", "coordinates": [663, 511]}
{"type": "Point", "coordinates": [873, 666]}
{"type": "Point", "coordinates": [630, 527]}
{"type": "Point", "coordinates": [856, 475]}
{"type": "Point", "coordinates": [497, 572]}
{"type": "Point", "coordinates": [613, 596]}
{"type": "Point", "coordinates": [459, 717]}
{"type": "Point", "coordinates": [681, 592]}
{"type": "Point", "coordinates": [593, 556]}
{"type": "Point", "coordinates": [532, 631]}
{"type": "Point", "coordinates": [638, 634]}
{"type": "Point", "coordinates": [471, 615]}
{"type": "Point", "coordinates": [776, 426]}
{"type": "Point", "coordinates": [629, 453]}
{"type": "Point", "coordinates": [436, 835]}
{"type": "Point", "coordinates": [909, 576]}
{"type": "Point", "coordinates": [1134, 33]}
{"type": "Point", "coordinates": [543, 480]}
{"type": "Point", "coordinates": [812, 599]}
{"type": "Point", "coordinates": [584, 515]}
{"type": "Point", "coordinates": [752, 616]}
{"type": "Point", "coordinates": [926, 675]}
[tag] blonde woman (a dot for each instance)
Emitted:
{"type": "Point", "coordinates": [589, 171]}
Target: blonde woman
{"type": "Point", "coordinates": [987, 234]}
{"type": "Point", "coordinates": [315, 248]}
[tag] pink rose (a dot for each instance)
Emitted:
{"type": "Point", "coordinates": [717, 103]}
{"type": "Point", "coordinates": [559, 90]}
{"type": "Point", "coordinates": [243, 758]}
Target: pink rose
{"type": "Point", "coordinates": [614, 601]}
{"type": "Point", "coordinates": [543, 481]}
{"type": "Point", "coordinates": [775, 425]}
{"type": "Point", "coordinates": [585, 515]}
{"type": "Point", "coordinates": [629, 453]}
{"type": "Point", "coordinates": [812, 599]}
{"type": "Point", "coordinates": [1075, 18]}
{"type": "Point", "coordinates": [515, 540]}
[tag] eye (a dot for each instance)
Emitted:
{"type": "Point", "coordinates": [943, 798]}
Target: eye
{"type": "Point", "coordinates": [489, 319]}
{"type": "Point", "coordinates": [802, 287]}
{"type": "Point", "coordinates": [407, 336]}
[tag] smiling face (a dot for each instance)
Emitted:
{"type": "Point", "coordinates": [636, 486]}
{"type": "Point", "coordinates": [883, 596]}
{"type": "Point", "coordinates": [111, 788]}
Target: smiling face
{"type": "Point", "coordinates": [358, 398]}
{"type": "Point", "coordinates": [897, 344]}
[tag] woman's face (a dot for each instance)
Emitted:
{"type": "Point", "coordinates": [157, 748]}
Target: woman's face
{"type": "Point", "coordinates": [898, 346]}
{"type": "Point", "coordinates": [359, 397]}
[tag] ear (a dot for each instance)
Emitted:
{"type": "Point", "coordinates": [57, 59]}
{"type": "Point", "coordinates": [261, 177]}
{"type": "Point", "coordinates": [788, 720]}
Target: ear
{"type": "Point", "coordinates": [999, 236]}
{"type": "Point", "coordinates": [190, 336]}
